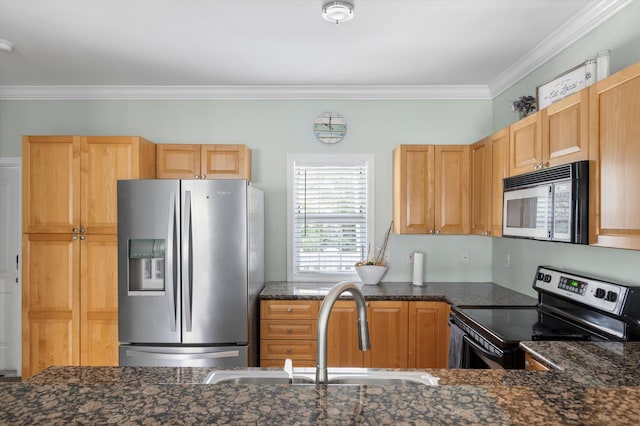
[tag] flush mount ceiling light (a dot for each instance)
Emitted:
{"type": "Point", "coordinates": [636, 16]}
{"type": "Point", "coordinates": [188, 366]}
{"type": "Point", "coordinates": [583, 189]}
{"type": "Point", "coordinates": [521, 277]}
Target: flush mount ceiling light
{"type": "Point", "coordinates": [337, 11]}
{"type": "Point", "coordinates": [6, 45]}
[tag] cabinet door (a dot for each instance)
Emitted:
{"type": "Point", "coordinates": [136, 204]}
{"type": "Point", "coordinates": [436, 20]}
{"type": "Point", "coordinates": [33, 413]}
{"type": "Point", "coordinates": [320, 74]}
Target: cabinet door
{"type": "Point", "coordinates": [565, 130]}
{"type": "Point", "coordinates": [500, 170]}
{"type": "Point", "coordinates": [615, 153]}
{"type": "Point", "coordinates": [99, 300]}
{"type": "Point", "coordinates": [388, 331]}
{"type": "Point", "coordinates": [105, 160]}
{"type": "Point", "coordinates": [342, 340]}
{"type": "Point", "coordinates": [526, 145]}
{"type": "Point", "coordinates": [50, 301]}
{"type": "Point", "coordinates": [176, 161]}
{"type": "Point", "coordinates": [481, 186]}
{"type": "Point", "coordinates": [413, 183]}
{"type": "Point", "coordinates": [452, 189]}
{"type": "Point", "coordinates": [225, 162]}
{"type": "Point", "coordinates": [428, 334]}
{"type": "Point", "coordinates": [51, 184]}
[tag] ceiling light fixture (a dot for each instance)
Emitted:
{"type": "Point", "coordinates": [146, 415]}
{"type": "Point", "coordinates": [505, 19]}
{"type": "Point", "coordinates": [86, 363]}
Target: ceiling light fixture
{"type": "Point", "coordinates": [338, 11]}
{"type": "Point", "coordinates": [6, 45]}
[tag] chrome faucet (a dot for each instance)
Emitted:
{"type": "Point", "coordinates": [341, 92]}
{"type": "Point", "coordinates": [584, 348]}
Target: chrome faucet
{"type": "Point", "coordinates": [323, 325]}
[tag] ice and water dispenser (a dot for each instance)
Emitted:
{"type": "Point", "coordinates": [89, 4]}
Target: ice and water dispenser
{"type": "Point", "coordinates": [146, 266]}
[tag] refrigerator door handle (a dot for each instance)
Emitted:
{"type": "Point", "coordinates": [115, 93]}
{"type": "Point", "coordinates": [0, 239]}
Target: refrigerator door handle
{"type": "Point", "coordinates": [186, 261]}
{"type": "Point", "coordinates": [160, 355]}
{"type": "Point", "coordinates": [169, 264]}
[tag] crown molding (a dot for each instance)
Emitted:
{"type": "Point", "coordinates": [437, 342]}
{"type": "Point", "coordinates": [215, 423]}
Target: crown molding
{"type": "Point", "coordinates": [584, 22]}
{"type": "Point", "coordinates": [385, 92]}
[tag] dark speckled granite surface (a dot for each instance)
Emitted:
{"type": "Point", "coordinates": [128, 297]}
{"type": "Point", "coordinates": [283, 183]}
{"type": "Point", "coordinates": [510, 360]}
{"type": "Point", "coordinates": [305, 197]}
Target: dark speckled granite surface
{"type": "Point", "coordinates": [461, 294]}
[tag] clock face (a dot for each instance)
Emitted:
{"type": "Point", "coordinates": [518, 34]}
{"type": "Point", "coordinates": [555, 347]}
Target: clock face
{"type": "Point", "coordinates": [330, 127]}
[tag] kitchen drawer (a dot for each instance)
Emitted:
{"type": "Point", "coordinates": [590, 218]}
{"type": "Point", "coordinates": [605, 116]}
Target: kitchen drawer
{"type": "Point", "coordinates": [294, 349]}
{"type": "Point", "coordinates": [288, 309]}
{"type": "Point", "coordinates": [279, 363]}
{"type": "Point", "coordinates": [282, 329]}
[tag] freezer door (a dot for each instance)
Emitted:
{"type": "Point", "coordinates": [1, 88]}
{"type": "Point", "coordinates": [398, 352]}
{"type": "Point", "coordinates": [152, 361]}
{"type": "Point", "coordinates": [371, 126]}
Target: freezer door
{"type": "Point", "coordinates": [158, 356]}
{"type": "Point", "coordinates": [214, 261]}
{"type": "Point", "coordinates": [148, 261]}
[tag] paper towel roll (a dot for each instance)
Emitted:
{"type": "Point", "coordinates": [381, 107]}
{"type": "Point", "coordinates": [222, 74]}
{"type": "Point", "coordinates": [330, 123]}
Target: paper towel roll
{"type": "Point", "coordinates": [418, 263]}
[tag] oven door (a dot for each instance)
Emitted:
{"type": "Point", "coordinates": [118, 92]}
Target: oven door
{"type": "Point", "coordinates": [477, 357]}
{"type": "Point", "coordinates": [527, 212]}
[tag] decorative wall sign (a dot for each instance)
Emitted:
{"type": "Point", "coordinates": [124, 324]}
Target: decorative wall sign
{"type": "Point", "coordinates": [571, 81]}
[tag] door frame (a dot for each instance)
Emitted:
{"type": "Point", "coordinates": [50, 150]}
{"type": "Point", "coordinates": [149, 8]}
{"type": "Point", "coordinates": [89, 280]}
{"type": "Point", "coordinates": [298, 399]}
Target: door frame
{"type": "Point", "coordinates": [16, 162]}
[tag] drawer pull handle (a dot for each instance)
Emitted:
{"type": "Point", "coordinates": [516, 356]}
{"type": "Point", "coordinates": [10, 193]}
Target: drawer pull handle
{"type": "Point", "coordinates": [289, 330]}
{"type": "Point", "coordinates": [289, 309]}
{"type": "Point", "coordinates": [289, 350]}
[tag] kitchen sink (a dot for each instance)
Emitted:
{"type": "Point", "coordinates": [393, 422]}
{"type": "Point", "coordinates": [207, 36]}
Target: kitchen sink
{"type": "Point", "coordinates": [336, 376]}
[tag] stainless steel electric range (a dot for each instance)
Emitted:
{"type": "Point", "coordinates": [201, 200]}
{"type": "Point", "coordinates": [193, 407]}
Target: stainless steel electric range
{"type": "Point", "coordinates": [571, 306]}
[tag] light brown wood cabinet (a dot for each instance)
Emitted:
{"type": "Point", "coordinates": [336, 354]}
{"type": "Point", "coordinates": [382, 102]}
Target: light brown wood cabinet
{"type": "Point", "coordinates": [489, 166]}
{"type": "Point", "coordinates": [615, 158]}
{"type": "Point", "coordinates": [431, 189]}
{"type": "Point", "coordinates": [556, 135]}
{"type": "Point", "coordinates": [70, 245]}
{"type": "Point", "coordinates": [178, 161]}
{"type": "Point", "coordinates": [532, 364]}
{"type": "Point", "coordinates": [428, 335]}
{"type": "Point", "coordinates": [401, 333]}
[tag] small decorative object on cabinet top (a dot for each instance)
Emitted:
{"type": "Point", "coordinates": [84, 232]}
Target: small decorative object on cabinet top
{"type": "Point", "coordinates": [524, 106]}
{"type": "Point", "coordinates": [330, 127]}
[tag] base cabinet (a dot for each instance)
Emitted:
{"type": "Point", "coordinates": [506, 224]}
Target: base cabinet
{"type": "Point", "coordinates": [403, 334]}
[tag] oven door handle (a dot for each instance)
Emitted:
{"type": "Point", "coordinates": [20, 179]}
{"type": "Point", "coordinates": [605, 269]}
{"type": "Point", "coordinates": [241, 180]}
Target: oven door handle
{"type": "Point", "coordinates": [477, 347]}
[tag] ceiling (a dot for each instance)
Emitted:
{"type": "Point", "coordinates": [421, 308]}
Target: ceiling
{"type": "Point", "coordinates": [475, 48]}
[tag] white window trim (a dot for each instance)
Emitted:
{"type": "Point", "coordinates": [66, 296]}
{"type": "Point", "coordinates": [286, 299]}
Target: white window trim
{"type": "Point", "coordinates": [291, 158]}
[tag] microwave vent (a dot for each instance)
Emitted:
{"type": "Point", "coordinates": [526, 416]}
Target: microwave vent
{"type": "Point", "coordinates": [577, 170]}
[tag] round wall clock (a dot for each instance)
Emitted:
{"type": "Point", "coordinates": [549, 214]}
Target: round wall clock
{"type": "Point", "coordinates": [330, 127]}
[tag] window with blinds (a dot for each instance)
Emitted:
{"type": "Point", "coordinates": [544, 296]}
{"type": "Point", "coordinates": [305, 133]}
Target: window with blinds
{"type": "Point", "coordinates": [330, 217]}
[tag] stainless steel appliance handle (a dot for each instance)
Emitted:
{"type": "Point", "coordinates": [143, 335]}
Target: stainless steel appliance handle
{"type": "Point", "coordinates": [493, 357]}
{"type": "Point", "coordinates": [160, 355]}
{"type": "Point", "coordinates": [169, 265]}
{"type": "Point", "coordinates": [186, 261]}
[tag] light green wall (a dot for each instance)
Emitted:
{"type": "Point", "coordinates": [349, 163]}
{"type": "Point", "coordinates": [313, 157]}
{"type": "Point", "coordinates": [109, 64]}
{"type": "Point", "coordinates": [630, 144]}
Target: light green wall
{"type": "Point", "coordinates": [274, 129]}
{"type": "Point", "coordinates": [620, 34]}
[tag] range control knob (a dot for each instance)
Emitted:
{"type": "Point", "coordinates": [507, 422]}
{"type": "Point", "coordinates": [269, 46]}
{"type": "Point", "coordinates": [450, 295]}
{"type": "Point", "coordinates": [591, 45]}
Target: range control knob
{"type": "Point", "coordinates": [612, 296]}
{"type": "Point", "coordinates": [540, 276]}
{"type": "Point", "coordinates": [547, 278]}
{"type": "Point", "coordinates": [600, 293]}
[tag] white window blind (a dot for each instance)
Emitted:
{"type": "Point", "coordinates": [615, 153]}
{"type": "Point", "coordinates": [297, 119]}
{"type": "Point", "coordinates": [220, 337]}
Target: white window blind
{"type": "Point", "coordinates": [331, 217]}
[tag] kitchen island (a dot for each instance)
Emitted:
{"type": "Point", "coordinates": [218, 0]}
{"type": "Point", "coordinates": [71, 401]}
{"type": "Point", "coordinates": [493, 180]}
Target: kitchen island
{"type": "Point", "coordinates": [595, 383]}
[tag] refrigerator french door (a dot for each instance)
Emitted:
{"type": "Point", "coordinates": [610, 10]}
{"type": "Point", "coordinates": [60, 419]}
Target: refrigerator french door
{"type": "Point", "coordinates": [190, 267]}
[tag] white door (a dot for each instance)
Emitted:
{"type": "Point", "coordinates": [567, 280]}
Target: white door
{"type": "Point", "coordinates": [10, 291]}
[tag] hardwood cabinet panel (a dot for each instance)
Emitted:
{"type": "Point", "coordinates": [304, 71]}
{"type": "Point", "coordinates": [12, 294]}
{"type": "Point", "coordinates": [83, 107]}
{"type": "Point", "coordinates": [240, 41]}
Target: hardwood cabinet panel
{"type": "Point", "coordinates": [530, 363]}
{"type": "Point", "coordinates": [289, 309]}
{"type": "Point", "coordinates": [614, 117]}
{"type": "Point", "coordinates": [51, 184]}
{"type": "Point", "coordinates": [388, 321]}
{"type": "Point", "coordinates": [99, 300]}
{"type": "Point", "coordinates": [452, 189]}
{"type": "Point", "coordinates": [565, 130]}
{"type": "Point", "coordinates": [226, 162]}
{"type": "Point", "coordinates": [282, 349]}
{"type": "Point", "coordinates": [177, 161]}
{"type": "Point", "coordinates": [342, 341]}
{"type": "Point", "coordinates": [481, 186]}
{"type": "Point", "coordinates": [413, 198]}
{"type": "Point", "coordinates": [286, 329]}
{"type": "Point", "coordinates": [50, 301]}
{"type": "Point", "coordinates": [500, 170]}
{"type": "Point", "coordinates": [526, 145]}
{"type": "Point", "coordinates": [428, 334]}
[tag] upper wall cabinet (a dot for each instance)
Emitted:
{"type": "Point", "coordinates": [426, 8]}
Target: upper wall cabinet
{"type": "Point", "coordinates": [431, 189]}
{"type": "Point", "coordinates": [70, 182]}
{"type": "Point", "coordinates": [489, 166]}
{"type": "Point", "coordinates": [614, 113]}
{"type": "Point", "coordinates": [556, 135]}
{"type": "Point", "coordinates": [179, 161]}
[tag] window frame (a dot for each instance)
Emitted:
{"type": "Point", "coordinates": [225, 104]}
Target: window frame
{"type": "Point", "coordinates": [326, 159]}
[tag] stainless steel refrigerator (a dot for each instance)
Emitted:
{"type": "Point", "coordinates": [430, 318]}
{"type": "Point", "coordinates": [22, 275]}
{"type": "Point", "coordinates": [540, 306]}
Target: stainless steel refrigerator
{"type": "Point", "coordinates": [190, 268]}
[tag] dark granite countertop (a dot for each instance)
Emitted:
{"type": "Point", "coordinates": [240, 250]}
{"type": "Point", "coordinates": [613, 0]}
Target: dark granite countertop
{"type": "Point", "coordinates": [592, 383]}
{"type": "Point", "coordinates": [455, 293]}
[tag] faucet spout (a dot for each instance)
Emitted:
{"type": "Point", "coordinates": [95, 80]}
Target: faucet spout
{"type": "Point", "coordinates": [323, 324]}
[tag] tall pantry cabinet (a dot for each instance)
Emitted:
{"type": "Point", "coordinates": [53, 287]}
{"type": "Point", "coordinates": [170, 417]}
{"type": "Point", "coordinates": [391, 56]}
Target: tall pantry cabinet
{"type": "Point", "coordinates": [69, 297]}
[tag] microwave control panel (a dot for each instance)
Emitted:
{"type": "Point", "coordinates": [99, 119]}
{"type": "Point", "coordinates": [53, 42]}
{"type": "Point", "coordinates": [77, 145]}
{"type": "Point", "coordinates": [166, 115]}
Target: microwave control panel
{"type": "Point", "coordinates": [605, 296]}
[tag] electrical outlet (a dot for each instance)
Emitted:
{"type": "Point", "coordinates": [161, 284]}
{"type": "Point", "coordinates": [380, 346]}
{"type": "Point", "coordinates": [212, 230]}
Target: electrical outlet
{"type": "Point", "coordinates": [464, 257]}
{"type": "Point", "coordinates": [410, 257]}
{"type": "Point", "coordinates": [507, 261]}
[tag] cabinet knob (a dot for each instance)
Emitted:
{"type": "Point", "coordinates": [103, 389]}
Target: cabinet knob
{"type": "Point", "coordinates": [289, 330]}
{"type": "Point", "coordinates": [289, 309]}
{"type": "Point", "coordinates": [289, 350]}
{"type": "Point", "coordinates": [82, 230]}
{"type": "Point", "coordinates": [74, 237]}
{"type": "Point", "coordinates": [196, 176]}
{"type": "Point", "coordinates": [203, 176]}
{"type": "Point", "coordinates": [431, 231]}
{"type": "Point", "coordinates": [438, 231]}
{"type": "Point", "coordinates": [82, 237]}
{"type": "Point", "coordinates": [74, 229]}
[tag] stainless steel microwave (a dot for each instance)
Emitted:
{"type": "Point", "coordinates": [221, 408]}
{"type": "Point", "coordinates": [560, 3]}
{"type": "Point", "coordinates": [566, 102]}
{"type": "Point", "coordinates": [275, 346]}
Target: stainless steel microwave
{"type": "Point", "coordinates": [550, 204]}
